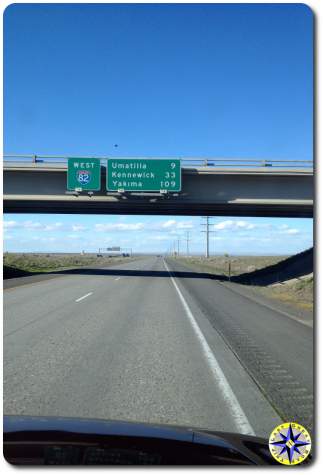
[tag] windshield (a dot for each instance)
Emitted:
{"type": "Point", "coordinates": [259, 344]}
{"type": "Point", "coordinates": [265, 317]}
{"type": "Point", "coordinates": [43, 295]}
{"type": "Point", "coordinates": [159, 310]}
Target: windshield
{"type": "Point", "coordinates": [126, 318]}
{"type": "Point", "coordinates": [158, 214]}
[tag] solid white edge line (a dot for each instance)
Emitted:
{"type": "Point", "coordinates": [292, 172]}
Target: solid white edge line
{"type": "Point", "coordinates": [238, 414]}
{"type": "Point", "coordinates": [84, 297]}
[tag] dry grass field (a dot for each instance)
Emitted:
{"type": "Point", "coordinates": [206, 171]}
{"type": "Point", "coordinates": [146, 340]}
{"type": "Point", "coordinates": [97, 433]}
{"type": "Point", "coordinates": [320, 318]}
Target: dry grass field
{"type": "Point", "coordinates": [16, 264]}
{"type": "Point", "coordinates": [239, 264]}
{"type": "Point", "coordinates": [295, 293]}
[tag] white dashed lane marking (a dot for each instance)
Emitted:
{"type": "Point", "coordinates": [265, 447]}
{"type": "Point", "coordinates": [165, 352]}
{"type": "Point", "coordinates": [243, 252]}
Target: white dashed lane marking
{"type": "Point", "coordinates": [84, 297]}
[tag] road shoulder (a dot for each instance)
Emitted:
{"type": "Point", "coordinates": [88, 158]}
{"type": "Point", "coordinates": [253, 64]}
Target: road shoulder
{"type": "Point", "coordinates": [254, 294]}
{"type": "Point", "coordinates": [306, 318]}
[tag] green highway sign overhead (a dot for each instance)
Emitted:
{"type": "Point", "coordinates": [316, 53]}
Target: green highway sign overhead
{"type": "Point", "coordinates": [84, 174]}
{"type": "Point", "coordinates": [142, 174]}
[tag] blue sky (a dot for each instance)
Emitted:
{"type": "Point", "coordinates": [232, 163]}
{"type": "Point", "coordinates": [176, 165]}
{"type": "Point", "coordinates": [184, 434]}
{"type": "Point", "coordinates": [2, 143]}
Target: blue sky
{"type": "Point", "coordinates": [158, 80]}
{"type": "Point", "coordinates": [53, 233]}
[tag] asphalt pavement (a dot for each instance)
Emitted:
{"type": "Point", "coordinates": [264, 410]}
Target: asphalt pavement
{"type": "Point", "coordinates": [150, 340]}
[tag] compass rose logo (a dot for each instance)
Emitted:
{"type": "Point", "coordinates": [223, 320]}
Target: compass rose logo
{"type": "Point", "coordinates": [290, 443]}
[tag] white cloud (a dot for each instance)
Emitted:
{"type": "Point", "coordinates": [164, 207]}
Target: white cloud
{"type": "Point", "coordinates": [232, 225]}
{"type": "Point", "coordinates": [172, 223]}
{"type": "Point", "coordinates": [292, 231]}
{"type": "Point", "coordinates": [285, 229]}
{"type": "Point", "coordinates": [245, 225]}
{"type": "Point", "coordinates": [78, 227]}
{"type": "Point", "coordinates": [32, 225]}
{"type": "Point", "coordinates": [37, 226]}
{"type": "Point", "coordinates": [10, 224]}
{"type": "Point", "coordinates": [169, 223]}
{"type": "Point", "coordinates": [119, 227]}
{"type": "Point", "coordinates": [224, 225]}
{"type": "Point", "coordinates": [53, 227]}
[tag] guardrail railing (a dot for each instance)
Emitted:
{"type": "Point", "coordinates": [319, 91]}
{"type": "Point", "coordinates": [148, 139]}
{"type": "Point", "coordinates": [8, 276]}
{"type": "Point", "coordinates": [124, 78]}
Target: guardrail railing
{"type": "Point", "coordinates": [185, 162]}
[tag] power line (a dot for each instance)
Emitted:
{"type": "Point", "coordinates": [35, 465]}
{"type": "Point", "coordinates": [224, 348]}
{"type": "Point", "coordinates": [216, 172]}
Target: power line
{"type": "Point", "coordinates": [176, 245]}
{"type": "Point", "coordinates": [207, 231]}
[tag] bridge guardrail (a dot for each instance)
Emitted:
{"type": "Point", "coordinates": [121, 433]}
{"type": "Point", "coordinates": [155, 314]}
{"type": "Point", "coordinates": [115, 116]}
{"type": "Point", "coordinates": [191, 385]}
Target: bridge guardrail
{"type": "Point", "coordinates": [185, 162]}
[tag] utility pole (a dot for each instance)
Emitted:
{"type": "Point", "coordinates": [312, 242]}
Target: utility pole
{"type": "Point", "coordinates": [207, 239]}
{"type": "Point", "coordinates": [187, 241]}
{"type": "Point", "coordinates": [176, 245]}
{"type": "Point", "coordinates": [207, 231]}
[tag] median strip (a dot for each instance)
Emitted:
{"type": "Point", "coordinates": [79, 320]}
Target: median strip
{"type": "Point", "coordinates": [84, 297]}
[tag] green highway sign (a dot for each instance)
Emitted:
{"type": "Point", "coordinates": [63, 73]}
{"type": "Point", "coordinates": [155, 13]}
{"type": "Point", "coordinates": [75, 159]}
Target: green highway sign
{"type": "Point", "coordinates": [142, 174]}
{"type": "Point", "coordinates": [84, 174]}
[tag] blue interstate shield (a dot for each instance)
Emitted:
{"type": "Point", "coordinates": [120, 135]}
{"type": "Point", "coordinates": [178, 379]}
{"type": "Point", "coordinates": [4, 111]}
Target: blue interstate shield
{"type": "Point", "coordinates": [83, 177]}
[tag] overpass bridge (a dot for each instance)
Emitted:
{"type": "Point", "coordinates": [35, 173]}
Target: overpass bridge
{"type": "Point", "coordinates": [218, 187]}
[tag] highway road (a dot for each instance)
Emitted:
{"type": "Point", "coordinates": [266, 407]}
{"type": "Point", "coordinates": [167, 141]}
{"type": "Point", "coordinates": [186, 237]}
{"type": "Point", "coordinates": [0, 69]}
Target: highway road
{"type": "Point", "coordinates": [150, 340]}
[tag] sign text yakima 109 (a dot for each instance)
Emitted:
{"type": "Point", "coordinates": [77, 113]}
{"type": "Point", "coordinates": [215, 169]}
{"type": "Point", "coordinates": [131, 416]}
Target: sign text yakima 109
{"type": "Point", "coordinates": [139, 174]}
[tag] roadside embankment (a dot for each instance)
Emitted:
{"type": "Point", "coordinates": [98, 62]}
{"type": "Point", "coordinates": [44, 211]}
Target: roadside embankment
{"type": "Point", "coordinates": [288, 281]}
{"type": "Point", "coordinates": [292, 267]}
{"type": "Point", "coordinates": [23, 268]}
